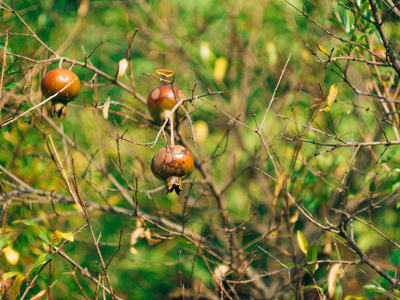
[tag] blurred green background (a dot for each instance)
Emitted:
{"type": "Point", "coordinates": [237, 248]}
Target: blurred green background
{"type": "Point", "coordinates": [241, 48]}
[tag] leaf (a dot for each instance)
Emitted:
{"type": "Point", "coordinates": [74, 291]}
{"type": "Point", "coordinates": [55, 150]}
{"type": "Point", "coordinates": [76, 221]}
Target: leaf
{"type": "Point", "coordinates": [322, 49]}
{"type": "Point", "coordinates": [106, 108]}
{"type": "Point", "coordinates": [302, 242]}
{"type": "Point", "coordinates": [332, 277]}
{"type": "Point", "coordinates": [312, 255]}
{"type": "Point", "coordinates": [332, 95]}
{"type": "Point", "coordinates": [16, 286]}
{"type": "Point", "coordinates": [38, 295]}
{"type": "Point", "coordinates": [220, 68]}
{"type": "Point", "coordinates": [42, 234]}
{"type": "Point", "coordinates": [355, 298]}
{"type": "Point", "coordinates": [166, 73]}
{"type": "Point", "coordinates": [10, 275]}
{"type": "Point", "coordinates": [376, 289]}
{"type": "Point", "coordinates": [313, 287]}
{"type": "Point", "coordinates": [11, 255]}
{"type": "Point", "coordinates": [149, 239]}
{"type": "Point", "coordinates": [339, 113]}
{"type": "Point", "coordinates": [42, 259]}
{"type": "Point", "coordinates": [348, 22]}
{"type": "Point", "coordinates": [64, 235]}
{"type": "Point", "coordinates": [122, 65]}
{"type": "Point", "coordinates": [327, 109]}
{"type": "Point", "coordinates": [344, 134]}
{"type": "Point", "coordinates": [11, 85]}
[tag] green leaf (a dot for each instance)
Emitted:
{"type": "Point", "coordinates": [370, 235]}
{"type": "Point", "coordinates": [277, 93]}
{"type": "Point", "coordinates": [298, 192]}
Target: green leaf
{"type": "Point", "coordinates": [10, 275]}
{"type": "Point", "coordinates": [339, 113]}
{"type": "Point", "coordinates": [11, 85]}
{"type": "Point", "coordinates": [313, 287]}
{"type": "Point", "coordinates": [348, 22]}
{"type": "Point", "coordinates": [303, 244]}
{"type": "Point", "coordinates": [312, 255]}
{"type": "Point", "coordinates": [42, 259]}
{"type": "Point", "coordinates": [376, 289]}
{"type": "Point", "coordinates": [33, 224]}
{"type": "Point", "coordinates": [16, 286]}
{"type": "Point", "coordinates": [344, 134]}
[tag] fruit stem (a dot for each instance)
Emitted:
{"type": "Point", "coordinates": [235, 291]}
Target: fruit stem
{"type": "Point", "coordinates": [60, 63]}
{"type": "Point", "coordinates": [171, 120]}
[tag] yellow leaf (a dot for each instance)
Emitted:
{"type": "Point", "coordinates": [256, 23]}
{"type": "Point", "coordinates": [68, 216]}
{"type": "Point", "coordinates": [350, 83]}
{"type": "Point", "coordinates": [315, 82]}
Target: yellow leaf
{"type": "Point", "coordinates": [322, 49]}
{"type": "Point", "coordinates": [303, 244]}
{"type": "Point", "coordinates": [200, 131]}
{"type": "Point", "coordinates": [166, 73]}
{"type": "Point", "coordinates": [332, 95]}
{"type": "Point", "coordinates": [220, 68]}
{"type": "Point", "coordinates": [327, 109]}
{"type": "Point", "coordinates": [105, 108]}
{"type": "Point", "coordinates": [122, 65]}
{"type": "Point", "coordinates": [11, 255]}
{"type": "Point", "coordinates": [16, 286]}
{"type": "Point", "coordinates": [333, 273]}
{"type": "Point", "coordinates": [64, 235]}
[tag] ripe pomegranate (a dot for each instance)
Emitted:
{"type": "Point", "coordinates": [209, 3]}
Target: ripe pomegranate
{"type": "Point", "coordinates": [53, 82]}
{"type": "Point", "coordinates": [172, 164]}
{"type": "Point", "coordinates": [161, 100]}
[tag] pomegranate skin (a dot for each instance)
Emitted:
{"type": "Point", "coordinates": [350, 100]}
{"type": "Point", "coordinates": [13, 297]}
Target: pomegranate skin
{"type": "Point", "coordinates": [53, 82]}
{"type": "Point", "coordinates": [161, 100]}
{"type": "Point", "coordinates": [172, 164]}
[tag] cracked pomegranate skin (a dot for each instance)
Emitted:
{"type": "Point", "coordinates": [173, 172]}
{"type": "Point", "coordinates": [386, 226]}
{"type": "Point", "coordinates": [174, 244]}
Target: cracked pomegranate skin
{"type": "Point", "coordinates": [161, 100]}
{"type": "Point", "coordinates": [55, 80]}
{"type": "Point", "coordinates": [172, 164]}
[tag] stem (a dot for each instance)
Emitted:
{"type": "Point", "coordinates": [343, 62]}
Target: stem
{"type": "Point", "coordinates": [171, 120]}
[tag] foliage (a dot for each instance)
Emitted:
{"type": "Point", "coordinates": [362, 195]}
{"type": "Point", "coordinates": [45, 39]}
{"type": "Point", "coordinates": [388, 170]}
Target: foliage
{"type": "Point", "coordinates": [292, 121]}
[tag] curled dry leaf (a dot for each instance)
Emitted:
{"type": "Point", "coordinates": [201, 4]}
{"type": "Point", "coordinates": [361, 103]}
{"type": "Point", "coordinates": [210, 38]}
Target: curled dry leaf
{"type": "Point", "coordinates": [122, 66]}
{"type": "Point", "coordinates": [220, 272]}
{"type": "Point", "coordinates": [106, 108]}
{"type": "Point", "coordinates": [332, 277]}
{"type": "Point", "coordinates": [166, 73]}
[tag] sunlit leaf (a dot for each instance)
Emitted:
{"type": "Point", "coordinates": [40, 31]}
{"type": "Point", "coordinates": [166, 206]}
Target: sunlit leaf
{"type": "Point", "coordinates": [332, 95]}
{"type": "Point", "coordinates": [166, 73]}
{"type": "Point", "coordinates": [11, 255]}
{"type": "Point", "coordinates": [327, 109]}
{"type": "Point", "coordinates": [322, 49]}
{"type": "Point", "coordinates": [64, 235]}
{"type": "Point", "coordinates": [220, 68]}
{"type": "Point", "coordinates": [303, 244]}
{"type": "Point", "coordinates": [42, 259]}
